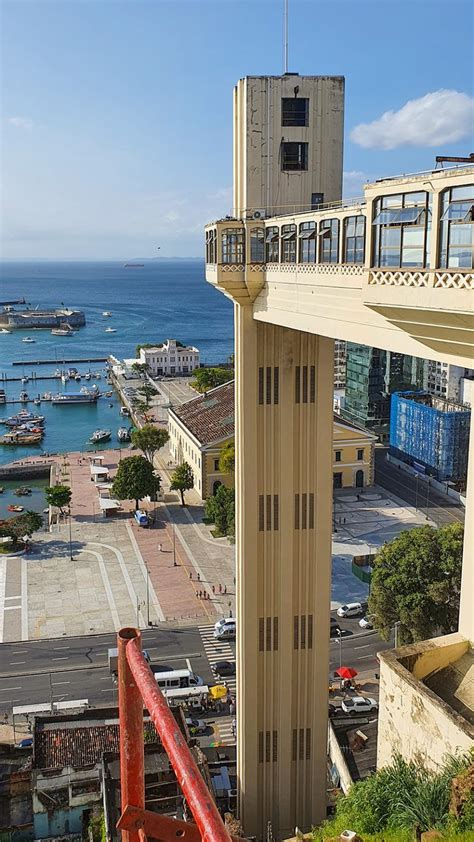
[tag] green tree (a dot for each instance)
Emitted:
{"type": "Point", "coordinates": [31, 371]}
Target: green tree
{"type": "Point", "coordinates": [209, 378]}
{"type": "Point", "coordinates": [220, 508]}
{"type": "Point", "coordinates": [416, 582]}
{"type": "Point", "coordinates": [227, 458]}
{"type": "Point", "coordinates": [149, 440]}
{"type": "Point", "coordinates": [24, 524]}
{"type": "Point", "coordinates": [141, 368]}
{"type": "Point", "coordinates": [148, 392]}
{"type": "Point", "coordinates": [135, 479]}
{"type": "Point", "coordinates": [58, 496]}
{"type": "Point", "coordinates": [182, 479]}
{"type": "Point", "coordinates": [145, 345]}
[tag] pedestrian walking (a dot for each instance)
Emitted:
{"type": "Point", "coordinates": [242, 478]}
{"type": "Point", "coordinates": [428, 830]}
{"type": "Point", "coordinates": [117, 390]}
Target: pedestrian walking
{"type": "Point", "coordinates": [213, 589]}
{"type": "Point", "coordinates": [225, 588]}
{"type": "Point", "coordinates": [220, 588]}
{"type": "Point", "coordinates": [190, 574]}
{"type": "Point", "coordinates": [232, 708]}
{"type": "Point", "coordinates": [160, 548]}
{"type": "Point", "coordinates": [200, 594]}
{"type": "Point", "coordinates": [199, 577]}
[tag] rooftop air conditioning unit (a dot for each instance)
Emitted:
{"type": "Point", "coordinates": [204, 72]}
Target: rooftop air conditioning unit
{"type": "Point", "coordinates": [256, 213]}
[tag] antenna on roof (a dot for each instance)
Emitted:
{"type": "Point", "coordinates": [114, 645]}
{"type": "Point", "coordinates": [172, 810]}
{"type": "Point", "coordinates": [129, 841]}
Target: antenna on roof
{"type": "Point", "coordinates": [285, 37]}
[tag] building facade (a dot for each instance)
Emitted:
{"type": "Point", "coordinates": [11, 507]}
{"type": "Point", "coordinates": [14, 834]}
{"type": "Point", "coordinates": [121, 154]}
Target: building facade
{"type": "Point", "coordinates": [388, 268]}
{"type": "Point", "coordinates": [339, 364]}
{"type": "Point", "coordinates": [288, 141]}
{"type": "Point", "coordinates": [444, 380]}
{"type": "Point", "coordinates": [372, 375]}
{"type": "Point", "coordinates": [198, 430]}
{"type": "Point", "coordinates": [353, 455]}
{"type": "Point", "coordinates": [170, 358]}
{"type": "Point", "coordinates": [431, 434]}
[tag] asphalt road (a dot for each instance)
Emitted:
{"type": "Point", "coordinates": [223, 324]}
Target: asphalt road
{"type": "Point", "coordinates": [438, 508]}
{"type": "Point", "coordinates": [77, 668]}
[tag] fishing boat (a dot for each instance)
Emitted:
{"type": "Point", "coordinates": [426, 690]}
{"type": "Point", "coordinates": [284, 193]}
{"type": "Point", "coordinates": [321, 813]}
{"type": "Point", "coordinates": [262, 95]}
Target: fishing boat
{"type": "Point", "coordinates": [123, 434]}
{"type": "Point", "coordinates": [21, 437]}
{"type": "Point", "coordinates": [22, 491]}
{"type": "Point", "coordinates": [28, 339]}
{"type": "Point", "coordinates": [110, 330]}
{"type": "Point", "coordinates": [124, 410]}
{"type": "Point", "coordinates": [14, 508]}
{"type": "Point", "coordinates": [100, 436]}
{"type": "Point", "coordinates": [106, 314]}
{"type": "Point", "coordinates": [4, 330]}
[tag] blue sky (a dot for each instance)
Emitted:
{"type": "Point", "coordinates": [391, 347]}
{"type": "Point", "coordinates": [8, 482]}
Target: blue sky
{"type": "Point", "coordinates": [117, 116]}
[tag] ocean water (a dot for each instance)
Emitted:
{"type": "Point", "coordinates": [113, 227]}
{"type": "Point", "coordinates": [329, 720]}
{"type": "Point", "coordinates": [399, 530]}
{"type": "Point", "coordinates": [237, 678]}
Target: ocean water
{"type": "Point", "coordinates": [165, 299]}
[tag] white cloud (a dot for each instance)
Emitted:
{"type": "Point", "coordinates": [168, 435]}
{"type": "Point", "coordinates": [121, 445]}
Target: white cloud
{"type": "Point", "coordinates": [21, 123]}
{"type": "Point", "coordinates": [353, 183]}
{"type": "Point", "coordinates": [434, 119]}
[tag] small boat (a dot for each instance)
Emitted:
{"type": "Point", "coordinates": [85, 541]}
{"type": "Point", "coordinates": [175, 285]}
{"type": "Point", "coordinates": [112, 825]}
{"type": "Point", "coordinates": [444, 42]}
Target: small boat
{"type": "Point", "coordinates": [88, 375]}
{"type": "Point", "coordinates": [110, 330]}
{"type": "Point", "coordinates": [14, 508]}
{"type": "Point", "coordinates": [1, 489]}
{"type": "Point", "coordinates": [106, 314]}
{"type": "Point", "coordinates": [25, 379]}
{"type": "Point", "coordinates": [28, 339]}
{"type": "Point", "coordinates": [37, 401]}
{"type": "Point", "coordinates": [22, 491]}
{"type": "Point", "coordinates": [98, 375]}
{"type": "Point", "coordinates": [100, 436]}
{"type": "Point", "coordinates": [124, 410]}
{"type": "Point", "coordinates": [72, 372]}
{"type": "Point", "coordinates": [108, 394]}
{"type": "Point", "coordinates": [63, 330]}
{"type": "Point", "coordinates": [133, 265]}
{"type": "Point", "coordinates": [24, 397]}
{"type": "Point", "coordinates": [4, 330]}
{"type": "Point", "coordinates": [123, 434]}
{"type": "Point", "coordinates": [65, 377]}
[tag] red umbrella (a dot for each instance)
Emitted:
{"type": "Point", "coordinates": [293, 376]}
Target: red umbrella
{"type": "Point", "coordinates": [346, 672]}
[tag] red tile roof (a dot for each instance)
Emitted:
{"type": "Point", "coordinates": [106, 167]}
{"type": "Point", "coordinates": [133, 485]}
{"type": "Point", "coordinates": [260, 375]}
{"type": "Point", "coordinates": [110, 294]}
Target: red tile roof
{"type": "Point", "coordinates": [81, 746]}
{"type": "Point", "coordinates": [209, 417]}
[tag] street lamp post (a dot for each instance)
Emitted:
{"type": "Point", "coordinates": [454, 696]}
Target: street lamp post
{"type": "Point", "coordinates": [339, 640]}
{"type": "Point", "coordinates": [416, 492]}
{"type": "Point", "coordinates": [397, 626]}
{"type": "Point", "coordinates": [71, 557]}
{"type": "Point", "coordinates": [427, 498]}
{"type": "Point", "coordinates": [147, 597]}
{"type": "Point", "coordinates": [175, 563]}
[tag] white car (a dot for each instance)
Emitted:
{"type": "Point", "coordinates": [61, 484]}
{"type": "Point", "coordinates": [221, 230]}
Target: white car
{"type": "Point", "coordinates": [359, 704]}
{"type": "Point", "coordinates": [225, 628]}
{"type": "Point", "coordinates": [366, 623]}
{"type": "Point", "coordinates": [352, 609]}
{"type": "Point", "coordinates": [196, 726]}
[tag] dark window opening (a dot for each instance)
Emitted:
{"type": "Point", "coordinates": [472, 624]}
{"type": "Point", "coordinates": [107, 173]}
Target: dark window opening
{"type": "Point", "coordinates": [316, 200]}
{"type": "Point", "coordinates": [294, 112]}
{"type": "Point", "coordinates": [260, 385]}
{"type": "Point", "coordinates": [338, 456]}
{"type": "Point", "coordinates": [294, 156]}
{"type": "Point", "coordinates": [276, 384]}
{"type": "Point", "coordinates": [337, 480]}
{"type": "Point", "coordinates": [360, 455]}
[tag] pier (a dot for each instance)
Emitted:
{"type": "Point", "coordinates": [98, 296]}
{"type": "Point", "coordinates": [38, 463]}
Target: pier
{"type": "Point", "coordinates": [61, 362]}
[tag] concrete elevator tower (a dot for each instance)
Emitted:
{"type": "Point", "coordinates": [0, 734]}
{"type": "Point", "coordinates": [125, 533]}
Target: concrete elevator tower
{"type": "Point", "coordinates": [288, 143]}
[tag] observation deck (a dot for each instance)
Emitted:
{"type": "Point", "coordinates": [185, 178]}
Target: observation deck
{"type": "Point", "coordinates": [393, 270]}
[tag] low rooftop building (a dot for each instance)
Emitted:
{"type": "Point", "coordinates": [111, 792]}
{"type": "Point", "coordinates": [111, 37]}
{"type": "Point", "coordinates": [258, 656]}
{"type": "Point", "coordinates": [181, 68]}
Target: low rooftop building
{"type": "Point", "coordinates": [170, 357]}
{"type": "Point", "coordinates": [426, 707]}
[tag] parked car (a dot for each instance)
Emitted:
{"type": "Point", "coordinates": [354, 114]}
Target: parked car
{"type": "Point", "coordinates": [352, 609]}
{"type": "Point", "coordinates": [224, 668]}
{"type": "Point", "coordinates": [142, 518]}
{"type": "Point", "coordinates": [366, 623]}
{"type": "Point", "coordinates": [359, 704]}
{"type": "Point", "coordinates": [333, 711]}
{"type": "Point", "coordinates": [196, 726]}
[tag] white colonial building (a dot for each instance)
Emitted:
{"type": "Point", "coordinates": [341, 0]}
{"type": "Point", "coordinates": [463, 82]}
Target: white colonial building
{"type": "Point", "coordinates": [171, 357]}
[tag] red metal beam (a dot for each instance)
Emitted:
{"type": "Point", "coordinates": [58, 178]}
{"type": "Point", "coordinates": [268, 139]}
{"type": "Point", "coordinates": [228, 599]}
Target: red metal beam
{"type": "Point", "coordinates": [132, 768]}
{"type": "Point", "coordinates": [198, 797]}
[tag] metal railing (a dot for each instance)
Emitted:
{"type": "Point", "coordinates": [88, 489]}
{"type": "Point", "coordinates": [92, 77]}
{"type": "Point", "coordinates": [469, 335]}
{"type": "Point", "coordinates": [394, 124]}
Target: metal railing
{"type": "Point", "coordinates": [137, 687]}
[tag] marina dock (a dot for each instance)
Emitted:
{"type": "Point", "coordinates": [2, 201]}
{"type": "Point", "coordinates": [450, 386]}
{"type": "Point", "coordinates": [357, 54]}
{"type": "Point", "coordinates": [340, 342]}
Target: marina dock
{"type": "Point", "coordinates": [66, 361]}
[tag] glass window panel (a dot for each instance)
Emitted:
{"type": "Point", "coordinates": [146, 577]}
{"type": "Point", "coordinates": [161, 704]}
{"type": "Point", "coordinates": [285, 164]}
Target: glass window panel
{"type": "Point", "coordinates": [272, 234]}
{"type": "Point", "coordinates": [386, 217]}
{"type": "Point", "coordinates": [412, 257]}
{"type": "Point", "coordinates": [350, 226]}
{"type": "Point", "coordinates": [360, 226]}
{"type": "Point", "coordinates": [392, 201]}
{"type": "Point", "coordinates": [389, 257]}
{"type": "Point", "coordinates": [466, 192]}
{"type": "Point", "coordinates": [457, 210]}
{"type": "Point", "coordinates": [390, 237]}
{"type": "Point", "coordinates": [461, 234]}
{"type": "Point", "coordinates": [409, 215]}
{"type": "Point", "coordinates": [414, 199]}
{"type": "Point", "coordinates": [460, 258]}
{"type": "Point", "coordinates": [413, 236]}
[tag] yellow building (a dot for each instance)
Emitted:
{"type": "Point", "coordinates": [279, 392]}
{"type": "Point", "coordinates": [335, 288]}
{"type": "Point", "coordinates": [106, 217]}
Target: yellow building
{"type": "Point", "coordinates": [353, 455]}
{"type": "Point", "coordinates": [198, 431]}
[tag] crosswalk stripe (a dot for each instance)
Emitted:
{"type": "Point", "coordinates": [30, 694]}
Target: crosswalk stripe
{"type": "Point", "coordinates": [218, 651]}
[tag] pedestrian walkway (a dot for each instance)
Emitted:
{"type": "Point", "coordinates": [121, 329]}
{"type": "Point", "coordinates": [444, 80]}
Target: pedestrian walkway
{"type": "Point", "coordinates": [224, 731]}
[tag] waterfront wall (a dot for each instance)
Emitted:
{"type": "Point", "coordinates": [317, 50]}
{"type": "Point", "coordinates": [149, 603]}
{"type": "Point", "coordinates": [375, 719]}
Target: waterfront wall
{"type": "Point", "coordinates": [33, 471]}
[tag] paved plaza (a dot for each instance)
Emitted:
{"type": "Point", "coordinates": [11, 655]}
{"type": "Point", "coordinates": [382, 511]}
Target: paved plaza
{"type": "Point", "coordinates": [174, 572]}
